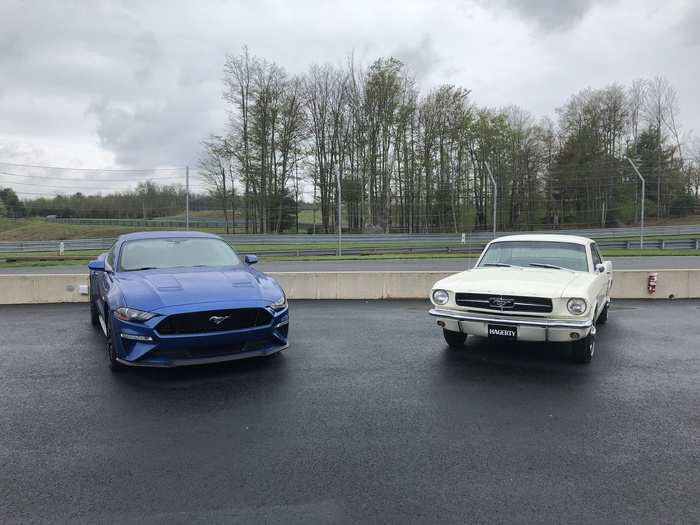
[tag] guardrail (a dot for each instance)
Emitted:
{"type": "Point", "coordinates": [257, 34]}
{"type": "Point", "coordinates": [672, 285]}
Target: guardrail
{"type": "Point", "coordinates": [597, 233]}
{"type": "Point", "coordinates": [439, 245]}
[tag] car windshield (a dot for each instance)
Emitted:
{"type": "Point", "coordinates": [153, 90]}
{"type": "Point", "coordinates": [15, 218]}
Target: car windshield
{"type": "Point", "coordinates": [146, 254]}
{"type": "Point", "coordinates": [543, 254]}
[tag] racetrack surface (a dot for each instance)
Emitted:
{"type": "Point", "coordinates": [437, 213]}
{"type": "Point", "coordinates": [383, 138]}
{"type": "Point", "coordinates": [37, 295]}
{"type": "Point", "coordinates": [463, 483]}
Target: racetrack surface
{"type": "Point", "coordinates": [367, 417]}
{"type": "Point", "coordinates": [660, 262]}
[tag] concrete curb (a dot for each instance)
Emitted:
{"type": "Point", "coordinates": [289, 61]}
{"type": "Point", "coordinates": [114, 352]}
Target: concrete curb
{"type": "Point", "coordinates": [66, 288]}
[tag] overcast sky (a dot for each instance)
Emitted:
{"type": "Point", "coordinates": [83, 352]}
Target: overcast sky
{"type": "Point", "coordinates": [138, 84]}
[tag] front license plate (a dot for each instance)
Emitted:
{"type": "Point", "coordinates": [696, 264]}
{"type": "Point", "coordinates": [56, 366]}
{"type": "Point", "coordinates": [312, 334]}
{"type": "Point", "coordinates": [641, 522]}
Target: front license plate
{"type": "Point", "coordinates": [500, 331]}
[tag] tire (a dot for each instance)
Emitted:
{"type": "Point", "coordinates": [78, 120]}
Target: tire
{"type": "Point", "coordinates": [603, 317]}
{"type": "Point", "coordinates": [114, 365]}
{"type": "Point", "coordinates": [94, 314]}
{"type": "Point", "coordinates": [454, 339]}
{"type": "Point", "coordinates": [584, 349]}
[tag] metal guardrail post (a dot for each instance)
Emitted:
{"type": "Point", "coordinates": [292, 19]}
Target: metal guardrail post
{"type": "Point", "coordinates": [495, 196]}
{"type": "Point", "coordinates": [641, 226]}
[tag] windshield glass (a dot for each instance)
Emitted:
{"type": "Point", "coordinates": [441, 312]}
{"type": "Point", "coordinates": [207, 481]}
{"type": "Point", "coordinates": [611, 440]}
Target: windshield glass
{"type": "Point", "coordinates": [171, 253]}
{"type": "Point", "coordinates": [538, 253]}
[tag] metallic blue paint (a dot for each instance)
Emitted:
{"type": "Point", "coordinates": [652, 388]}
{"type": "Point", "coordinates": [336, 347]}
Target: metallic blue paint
{"type": "Point", "coordinates": [171, 291]}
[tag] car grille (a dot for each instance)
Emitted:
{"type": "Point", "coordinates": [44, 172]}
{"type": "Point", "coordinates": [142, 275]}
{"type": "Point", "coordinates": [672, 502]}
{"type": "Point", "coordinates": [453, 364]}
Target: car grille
{"type": "Point", "coordinates": [210, 351]}
{"type": "Point", "coordinates": [504, 303]}
{"type": "Point", "coordinates": [205, 322]}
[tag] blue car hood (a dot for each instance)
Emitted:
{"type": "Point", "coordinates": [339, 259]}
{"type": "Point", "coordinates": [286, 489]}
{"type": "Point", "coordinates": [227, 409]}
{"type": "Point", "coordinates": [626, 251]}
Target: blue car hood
{"type": "Point", "coordinates": [151, 290]}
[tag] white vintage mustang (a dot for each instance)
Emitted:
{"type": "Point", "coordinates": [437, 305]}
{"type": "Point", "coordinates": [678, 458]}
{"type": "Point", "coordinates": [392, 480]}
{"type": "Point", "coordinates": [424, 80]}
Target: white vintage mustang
{"type": "Point", "coordinates": [528, 288]}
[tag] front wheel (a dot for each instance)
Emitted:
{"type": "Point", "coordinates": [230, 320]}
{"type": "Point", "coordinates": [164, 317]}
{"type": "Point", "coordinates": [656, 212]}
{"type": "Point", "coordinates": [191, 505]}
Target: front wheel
{"type": "Point", "coordinates": [584, 349]}
{"type": "Point", "coordinates": [603, 317]}
{"type": "Point", "coordinates": [114, 365]}
{"type": "Point", "coordinates": [94, 312]}
{"type": "Point", "coordinates": [454, 339]}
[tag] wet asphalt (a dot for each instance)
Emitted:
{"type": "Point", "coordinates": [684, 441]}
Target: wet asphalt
{"type": "Point", "coordinates": [368, 417]}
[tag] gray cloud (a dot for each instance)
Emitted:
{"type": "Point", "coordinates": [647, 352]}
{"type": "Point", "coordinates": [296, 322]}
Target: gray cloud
{"type": "Point", "coordinates": [550, 15]}
{"type": "Point", "coordinates": [689, 26]}
{"type": "Point", "coordinates": [422, 59]}
{"type": "Point", "coordinates": [138, 84]}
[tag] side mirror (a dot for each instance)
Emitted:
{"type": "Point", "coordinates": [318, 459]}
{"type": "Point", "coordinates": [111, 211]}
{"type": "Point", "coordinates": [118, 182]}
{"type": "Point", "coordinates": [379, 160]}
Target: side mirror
{"type": "Point", "coordinates": [250, 259]}
{"type": "Point", "coordinates": [97, 265]}
{"type": "Point", "coordinates": [600, 268]}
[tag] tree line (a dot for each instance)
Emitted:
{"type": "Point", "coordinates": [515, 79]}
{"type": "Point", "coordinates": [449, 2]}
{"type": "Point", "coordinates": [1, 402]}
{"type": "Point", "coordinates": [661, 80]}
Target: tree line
{"type": "Point", "coordinates": [401, 160]}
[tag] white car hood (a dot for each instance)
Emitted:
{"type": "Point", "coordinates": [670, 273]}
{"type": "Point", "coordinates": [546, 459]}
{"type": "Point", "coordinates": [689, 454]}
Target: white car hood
{"type": "Point", "coordinates": [533, 282]}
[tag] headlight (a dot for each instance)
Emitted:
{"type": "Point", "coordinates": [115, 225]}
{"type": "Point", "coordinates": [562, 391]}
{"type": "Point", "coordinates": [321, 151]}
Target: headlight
{"type": "Point", "coordinates": [440, 297]}
{"type": "Point", "coordinates": [576, 306]}
{"type": "Point", "coordinates": [281, 303]}
{"type": "Point", "coordinates": [131, 314]}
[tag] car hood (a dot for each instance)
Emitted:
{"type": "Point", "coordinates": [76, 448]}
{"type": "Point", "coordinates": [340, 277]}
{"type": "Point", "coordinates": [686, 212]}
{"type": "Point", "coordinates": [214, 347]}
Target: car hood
{"type": "Point", "coordinates": [533, 282]}
{"type": "Point", "coordinates": [150, 290]}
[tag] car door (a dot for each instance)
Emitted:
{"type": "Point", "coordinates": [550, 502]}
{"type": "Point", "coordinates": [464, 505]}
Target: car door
{"type": "Point", "coordinates": [104, 280]}
{"type": "Point", "coordinates": [602, 282]}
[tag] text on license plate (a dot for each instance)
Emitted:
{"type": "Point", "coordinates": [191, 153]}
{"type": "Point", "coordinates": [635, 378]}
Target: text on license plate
{"type": "Point", "coordinates": [506, 332]}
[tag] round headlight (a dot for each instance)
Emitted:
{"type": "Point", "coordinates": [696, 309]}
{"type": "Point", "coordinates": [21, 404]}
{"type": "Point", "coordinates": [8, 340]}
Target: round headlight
{"type": "Point", "coordinates": [440, 297]}
{"type": "Point", "coordinates": [576, 306]}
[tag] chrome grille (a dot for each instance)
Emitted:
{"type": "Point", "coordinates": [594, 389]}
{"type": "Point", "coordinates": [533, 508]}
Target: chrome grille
{"type": "Point", "coordinates": [504, 303]}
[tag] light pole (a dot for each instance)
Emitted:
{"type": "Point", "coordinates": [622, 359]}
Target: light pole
{"type": "Point", "coordinates": [641, 216]}
{"type": "Point", "coordinates": [495, 195]}
{"type": "Point", "coordinates": [187, 197]}
{"type": "Point", "coordinates": [340, 217]}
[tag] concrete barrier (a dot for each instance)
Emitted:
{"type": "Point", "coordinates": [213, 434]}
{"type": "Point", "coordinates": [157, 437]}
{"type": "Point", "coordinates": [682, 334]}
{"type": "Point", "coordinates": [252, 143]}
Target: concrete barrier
{"type": "Point", "coordinates": [66, 288]}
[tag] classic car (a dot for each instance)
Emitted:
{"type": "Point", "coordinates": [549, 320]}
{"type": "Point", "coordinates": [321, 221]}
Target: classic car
{"type": "Point", "coordinates": [181, 298]}
{"type": "Point", "coordinates": [549, 288]}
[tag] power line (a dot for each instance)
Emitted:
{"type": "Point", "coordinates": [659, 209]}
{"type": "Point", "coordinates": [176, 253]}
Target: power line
{"type": "Point", "coordinates": [115, 170]}
{"type": "Point", "coordinates": [44, 177]}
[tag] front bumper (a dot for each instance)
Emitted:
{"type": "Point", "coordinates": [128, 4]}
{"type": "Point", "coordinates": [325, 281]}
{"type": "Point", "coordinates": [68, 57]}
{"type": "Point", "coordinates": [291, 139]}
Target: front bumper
{"type": "Point", "coordinates": [139, 344]}
{"type": "Point", "coordinates": [529, 329]}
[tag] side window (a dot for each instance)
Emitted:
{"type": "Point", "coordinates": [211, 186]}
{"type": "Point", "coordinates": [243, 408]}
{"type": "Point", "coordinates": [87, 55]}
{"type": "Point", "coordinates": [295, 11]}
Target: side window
{"type": "Point", "coordinates": [110, 256]}
{"type": "Point", "coordinates": [596, 255]}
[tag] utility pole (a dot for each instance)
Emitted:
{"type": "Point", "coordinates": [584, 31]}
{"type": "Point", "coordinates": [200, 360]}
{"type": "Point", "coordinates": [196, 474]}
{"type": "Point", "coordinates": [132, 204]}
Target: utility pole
{"type": "Point", "coordinates": [495, 195]}
{"type": "Point", "coordinates": [187, 197]}
{"type": "Point", "coordinates": [641, 216]}
{"type": "Point", "coordinates": [340, 216]}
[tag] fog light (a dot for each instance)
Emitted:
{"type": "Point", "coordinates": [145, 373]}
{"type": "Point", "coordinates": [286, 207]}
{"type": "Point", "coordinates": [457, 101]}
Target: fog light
{"type": "Point", "coordinates": [441, 323]}
{"type": "Point", "coordinates": [574, 335]}
{"type": "Point", "coordinates": [140, 338]}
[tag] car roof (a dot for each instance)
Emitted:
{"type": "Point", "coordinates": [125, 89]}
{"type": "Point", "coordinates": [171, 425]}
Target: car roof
{"type": "Point", "coordinates": [549, 237]}
{"type": "Point", "coordinates": [167, 235]}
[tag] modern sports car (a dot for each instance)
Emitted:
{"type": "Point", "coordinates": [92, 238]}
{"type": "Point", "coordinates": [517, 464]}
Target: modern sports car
{"type": "Point", "coordinates": [181, 298]}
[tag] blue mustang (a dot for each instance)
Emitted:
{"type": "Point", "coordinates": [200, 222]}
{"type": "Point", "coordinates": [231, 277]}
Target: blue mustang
{"type": "Point", "coordinates": [180, 298]}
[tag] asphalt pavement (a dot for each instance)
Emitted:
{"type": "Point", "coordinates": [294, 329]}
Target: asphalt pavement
{"type": "Point", "coordinates": [367, 418]}
{"type": "Point", "coordinates": [660, 262]}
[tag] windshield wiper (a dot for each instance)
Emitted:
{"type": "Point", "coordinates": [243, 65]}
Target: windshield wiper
{"type": "Point", "coordinates": [543, 265]}
{"type": "Point", "coordinates": [501, 265]}
{"type": "Point", "coordinates": [144, 268]}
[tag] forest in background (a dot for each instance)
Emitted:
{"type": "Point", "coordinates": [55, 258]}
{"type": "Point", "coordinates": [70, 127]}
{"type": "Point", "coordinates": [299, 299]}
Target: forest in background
{"type": "Point", "coordinates": [416, 162]}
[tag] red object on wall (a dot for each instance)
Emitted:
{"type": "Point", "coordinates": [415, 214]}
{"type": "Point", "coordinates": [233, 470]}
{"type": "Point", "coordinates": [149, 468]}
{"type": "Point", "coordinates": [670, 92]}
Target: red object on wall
{"type": "Point", "coordinates": [651, 282]}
